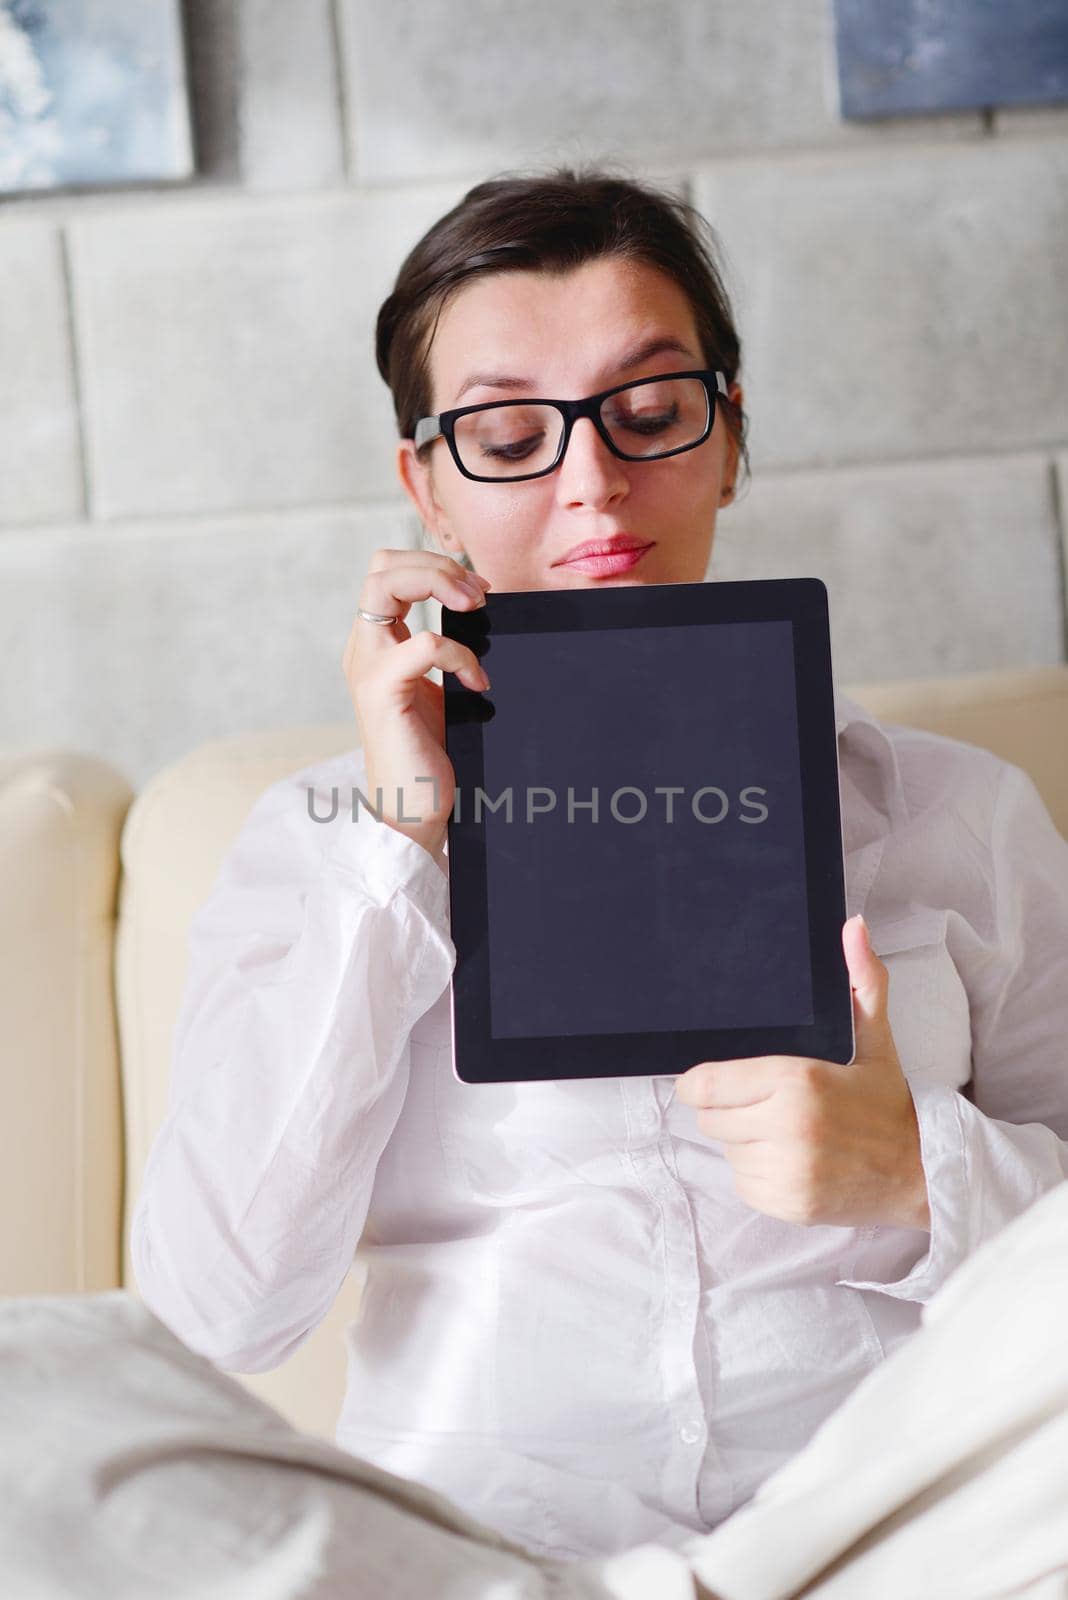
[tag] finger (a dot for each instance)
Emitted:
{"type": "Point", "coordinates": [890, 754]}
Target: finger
{"type": "Point", "coordinates": [395, 674]}
{"type": "Point", "coordinates": [742, 1082]}
{"type": "Point", "coordinates": [459, 589]}
{"type": "Point", "coordinates": [868, 976]}
{"type": "Point", "coordinates": [391, 592]}
{"type": "Point", "coordinates": [447, 567]}
{"type": "Point", "coordinates": [395, 589]}
{"type": "Point", "coordinates": [384, 559]}
{"type": "Point", "coordinates": [737, 1124]}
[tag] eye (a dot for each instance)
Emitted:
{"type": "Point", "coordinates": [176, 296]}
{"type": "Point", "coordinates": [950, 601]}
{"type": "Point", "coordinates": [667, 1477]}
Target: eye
{"type": "Point", "coordinates": [645, 423]}
{"type": "Point", "coordinates": [506, 433]}
{"type": "Point", "coordinates": [515, 450]}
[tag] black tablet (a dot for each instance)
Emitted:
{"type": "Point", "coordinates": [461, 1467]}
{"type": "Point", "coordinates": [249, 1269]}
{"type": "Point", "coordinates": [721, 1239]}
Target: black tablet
{"type": "Point", "coordinates": [645, 847]}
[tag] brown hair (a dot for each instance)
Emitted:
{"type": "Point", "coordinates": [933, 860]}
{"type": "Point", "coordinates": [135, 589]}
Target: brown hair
{"type": "Point", "coordinates": [552, 223]}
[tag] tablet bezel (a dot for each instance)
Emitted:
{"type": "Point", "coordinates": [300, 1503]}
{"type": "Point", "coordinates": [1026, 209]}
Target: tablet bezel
{"type": "Point", "coordinates": [477, 1056]}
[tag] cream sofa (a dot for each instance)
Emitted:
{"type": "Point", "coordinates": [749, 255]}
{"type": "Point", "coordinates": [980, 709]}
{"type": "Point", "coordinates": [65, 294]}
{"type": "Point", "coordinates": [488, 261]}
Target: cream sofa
{"type": "Point", "coordinates": [98, 888]}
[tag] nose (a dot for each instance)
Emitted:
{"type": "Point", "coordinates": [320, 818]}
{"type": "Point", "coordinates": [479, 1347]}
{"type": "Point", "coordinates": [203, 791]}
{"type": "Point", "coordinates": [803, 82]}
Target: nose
{"type": "Point", "coordinates": [589, 473]}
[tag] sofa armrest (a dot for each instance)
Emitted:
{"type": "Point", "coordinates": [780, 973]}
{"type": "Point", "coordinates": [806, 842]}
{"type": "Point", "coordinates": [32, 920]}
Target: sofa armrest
{"type": "Point", "coordinates": [61, 815]}
{"type": "Point", "coordinates": [175, 838]}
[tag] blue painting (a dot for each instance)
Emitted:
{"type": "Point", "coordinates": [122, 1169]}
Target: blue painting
{"type": "Point", "coordinates": [92, 92]}
{"type": "Point", "coordinates": [900, 56]}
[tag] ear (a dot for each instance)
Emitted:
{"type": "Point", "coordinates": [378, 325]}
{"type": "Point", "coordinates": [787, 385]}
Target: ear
{"type": "Point", "coordinates": [735, 393]}
{"type": "Point", "coordinates": [418, 480]}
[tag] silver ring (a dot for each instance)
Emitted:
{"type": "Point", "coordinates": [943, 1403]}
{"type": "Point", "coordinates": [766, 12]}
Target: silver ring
{"type": "Point", "coordinates": [372, 616]}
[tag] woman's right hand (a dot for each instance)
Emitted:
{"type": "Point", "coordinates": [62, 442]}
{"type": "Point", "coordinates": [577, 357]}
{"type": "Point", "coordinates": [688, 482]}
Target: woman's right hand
{"type": "Point", "coordinates": [400, 711]}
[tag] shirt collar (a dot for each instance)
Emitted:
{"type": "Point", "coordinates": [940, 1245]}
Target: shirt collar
{"type": "Point", "coordinates": [848, 711]}
{"type": "Point", "coordinates": [863, 741]}
{"type": "Point", "coordinates": [850, 714]}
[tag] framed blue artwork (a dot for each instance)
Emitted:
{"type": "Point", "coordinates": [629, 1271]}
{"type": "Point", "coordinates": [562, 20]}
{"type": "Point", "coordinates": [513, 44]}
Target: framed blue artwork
{"type": "Point", "coordinates": [900, 56]}
{"type": "Point", "coordinates": [92, 92]}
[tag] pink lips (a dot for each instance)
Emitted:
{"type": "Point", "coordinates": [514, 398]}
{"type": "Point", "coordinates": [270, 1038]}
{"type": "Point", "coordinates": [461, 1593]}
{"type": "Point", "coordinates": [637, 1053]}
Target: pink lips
{"type": "Point", "coordinates": [606, 566]}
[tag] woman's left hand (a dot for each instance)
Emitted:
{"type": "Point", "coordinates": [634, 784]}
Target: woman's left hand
{"type": "Point", "coordinates": [815, 1142]}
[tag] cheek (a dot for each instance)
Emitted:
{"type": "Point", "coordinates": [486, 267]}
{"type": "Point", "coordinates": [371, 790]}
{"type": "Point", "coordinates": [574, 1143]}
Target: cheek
{"type": "Point", "coordinates": [519, 513]}
{"type": "Point", "coordinates": [502, 524]}
{"type": "Point", "coordinates": [707, 480]}
{"type": "Point", "coordinates": [691, 496]}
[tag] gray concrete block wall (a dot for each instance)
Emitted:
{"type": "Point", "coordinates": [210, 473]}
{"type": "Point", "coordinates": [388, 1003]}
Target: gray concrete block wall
{"type": "Point", "coordinates": [899, 305]}
{"type": "Point", "coordinates": [266, 92]}
{"type": "Point", "coordinates": [1060, 496]}
{"type": "Point", "coordinates": [441, 87]}
{"type": "Point", "coordinates": [289, 127]}
{"type": "Point", "coordinates": [40, 452]}
{"type": "Point", "coordinates": [140, 639]}
{"type": "Point", "coordinates": [197, 453]}
{"type": "Point", "coordinates": [229, 349]}
{"type": "Point", "coordinates": [954, 563]}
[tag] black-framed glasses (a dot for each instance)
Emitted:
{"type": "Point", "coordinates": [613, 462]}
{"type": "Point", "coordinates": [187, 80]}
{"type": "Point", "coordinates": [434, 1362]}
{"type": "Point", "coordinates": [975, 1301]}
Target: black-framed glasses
{"type": "Point", "coordinates": [506, 441]}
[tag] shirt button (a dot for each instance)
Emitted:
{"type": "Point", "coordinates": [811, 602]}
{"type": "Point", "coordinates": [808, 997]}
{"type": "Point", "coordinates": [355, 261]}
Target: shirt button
{"type": "Point", "coordinates": [691, 1431]}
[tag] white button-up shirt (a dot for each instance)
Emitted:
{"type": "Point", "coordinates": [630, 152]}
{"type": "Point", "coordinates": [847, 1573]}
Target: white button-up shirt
{"type": "Point", "coordinates": [570, 1323]}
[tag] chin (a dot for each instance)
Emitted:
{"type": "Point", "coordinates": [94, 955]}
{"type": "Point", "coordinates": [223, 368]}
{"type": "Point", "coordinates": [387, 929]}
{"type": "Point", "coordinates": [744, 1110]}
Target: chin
{"type": "Point", "coordinates": [586, 580]}
{"type": "Point", "coordinates": [634, 580]}
{"type": "Point", "coordinates": [620, 580]}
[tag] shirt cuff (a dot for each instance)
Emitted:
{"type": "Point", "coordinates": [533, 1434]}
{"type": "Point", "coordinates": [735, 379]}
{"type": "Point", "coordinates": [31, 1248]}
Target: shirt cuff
{"type": "Point", "coordinates": [886, 1252]}
{"type": "Point", "coordinates": [388, 862]}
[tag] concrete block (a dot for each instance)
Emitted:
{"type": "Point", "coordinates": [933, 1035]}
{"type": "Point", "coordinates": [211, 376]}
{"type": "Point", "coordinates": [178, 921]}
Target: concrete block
{"type": "Point", "coordinates": [937, 567]}
{"type": "Point", "coordinates": [266, 91]}
{"type": "Point", "coordinates": [1031, 121]}
{"type": "Point", "coordinates": [40, 454]}
{"type": "Point", "coordinates": [1060, 469]}
{"type": "Point", "coordinates": [289, 101]}
{"type": "Point", "coordinates": [909, 303]}
{"type": "Point", "coordinates": [214, 74]}
{"type": "Point", "coordinates": [138, 642]}
{"type": "Point", "coordinates": [228, 349]}
{"type": "Point", "coordinates": [436, 87]}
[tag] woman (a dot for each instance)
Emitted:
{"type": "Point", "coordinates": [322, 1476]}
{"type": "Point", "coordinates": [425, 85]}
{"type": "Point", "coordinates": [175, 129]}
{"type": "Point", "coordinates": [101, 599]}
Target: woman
{"type": "Point", "coordinates": [596, 1312]}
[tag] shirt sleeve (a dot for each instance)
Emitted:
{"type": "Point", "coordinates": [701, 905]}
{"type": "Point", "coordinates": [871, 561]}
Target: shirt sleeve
{"type": "Point", "coordinates": [990, 1152]}
{"type": "Point", "coordinates": [321, 945]}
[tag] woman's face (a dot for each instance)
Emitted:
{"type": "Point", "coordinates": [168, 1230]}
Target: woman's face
{"type": "Point", "coordinates": [565, 337]}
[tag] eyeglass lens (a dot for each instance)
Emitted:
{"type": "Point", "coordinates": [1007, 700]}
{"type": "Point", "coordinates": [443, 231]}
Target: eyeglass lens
{"type": "Point", "coordinates": [644, 421]}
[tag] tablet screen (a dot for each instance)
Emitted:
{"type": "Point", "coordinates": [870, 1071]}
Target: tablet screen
{"type": "Point", "coordinates": [645, 849]}
{"type": "Point", "coordinates": [657, 856]}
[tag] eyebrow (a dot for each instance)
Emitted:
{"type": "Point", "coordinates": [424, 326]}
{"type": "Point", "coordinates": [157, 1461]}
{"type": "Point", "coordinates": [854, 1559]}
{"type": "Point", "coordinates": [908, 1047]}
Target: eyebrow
{"type": "Point", "coordinates": [661, 345]}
